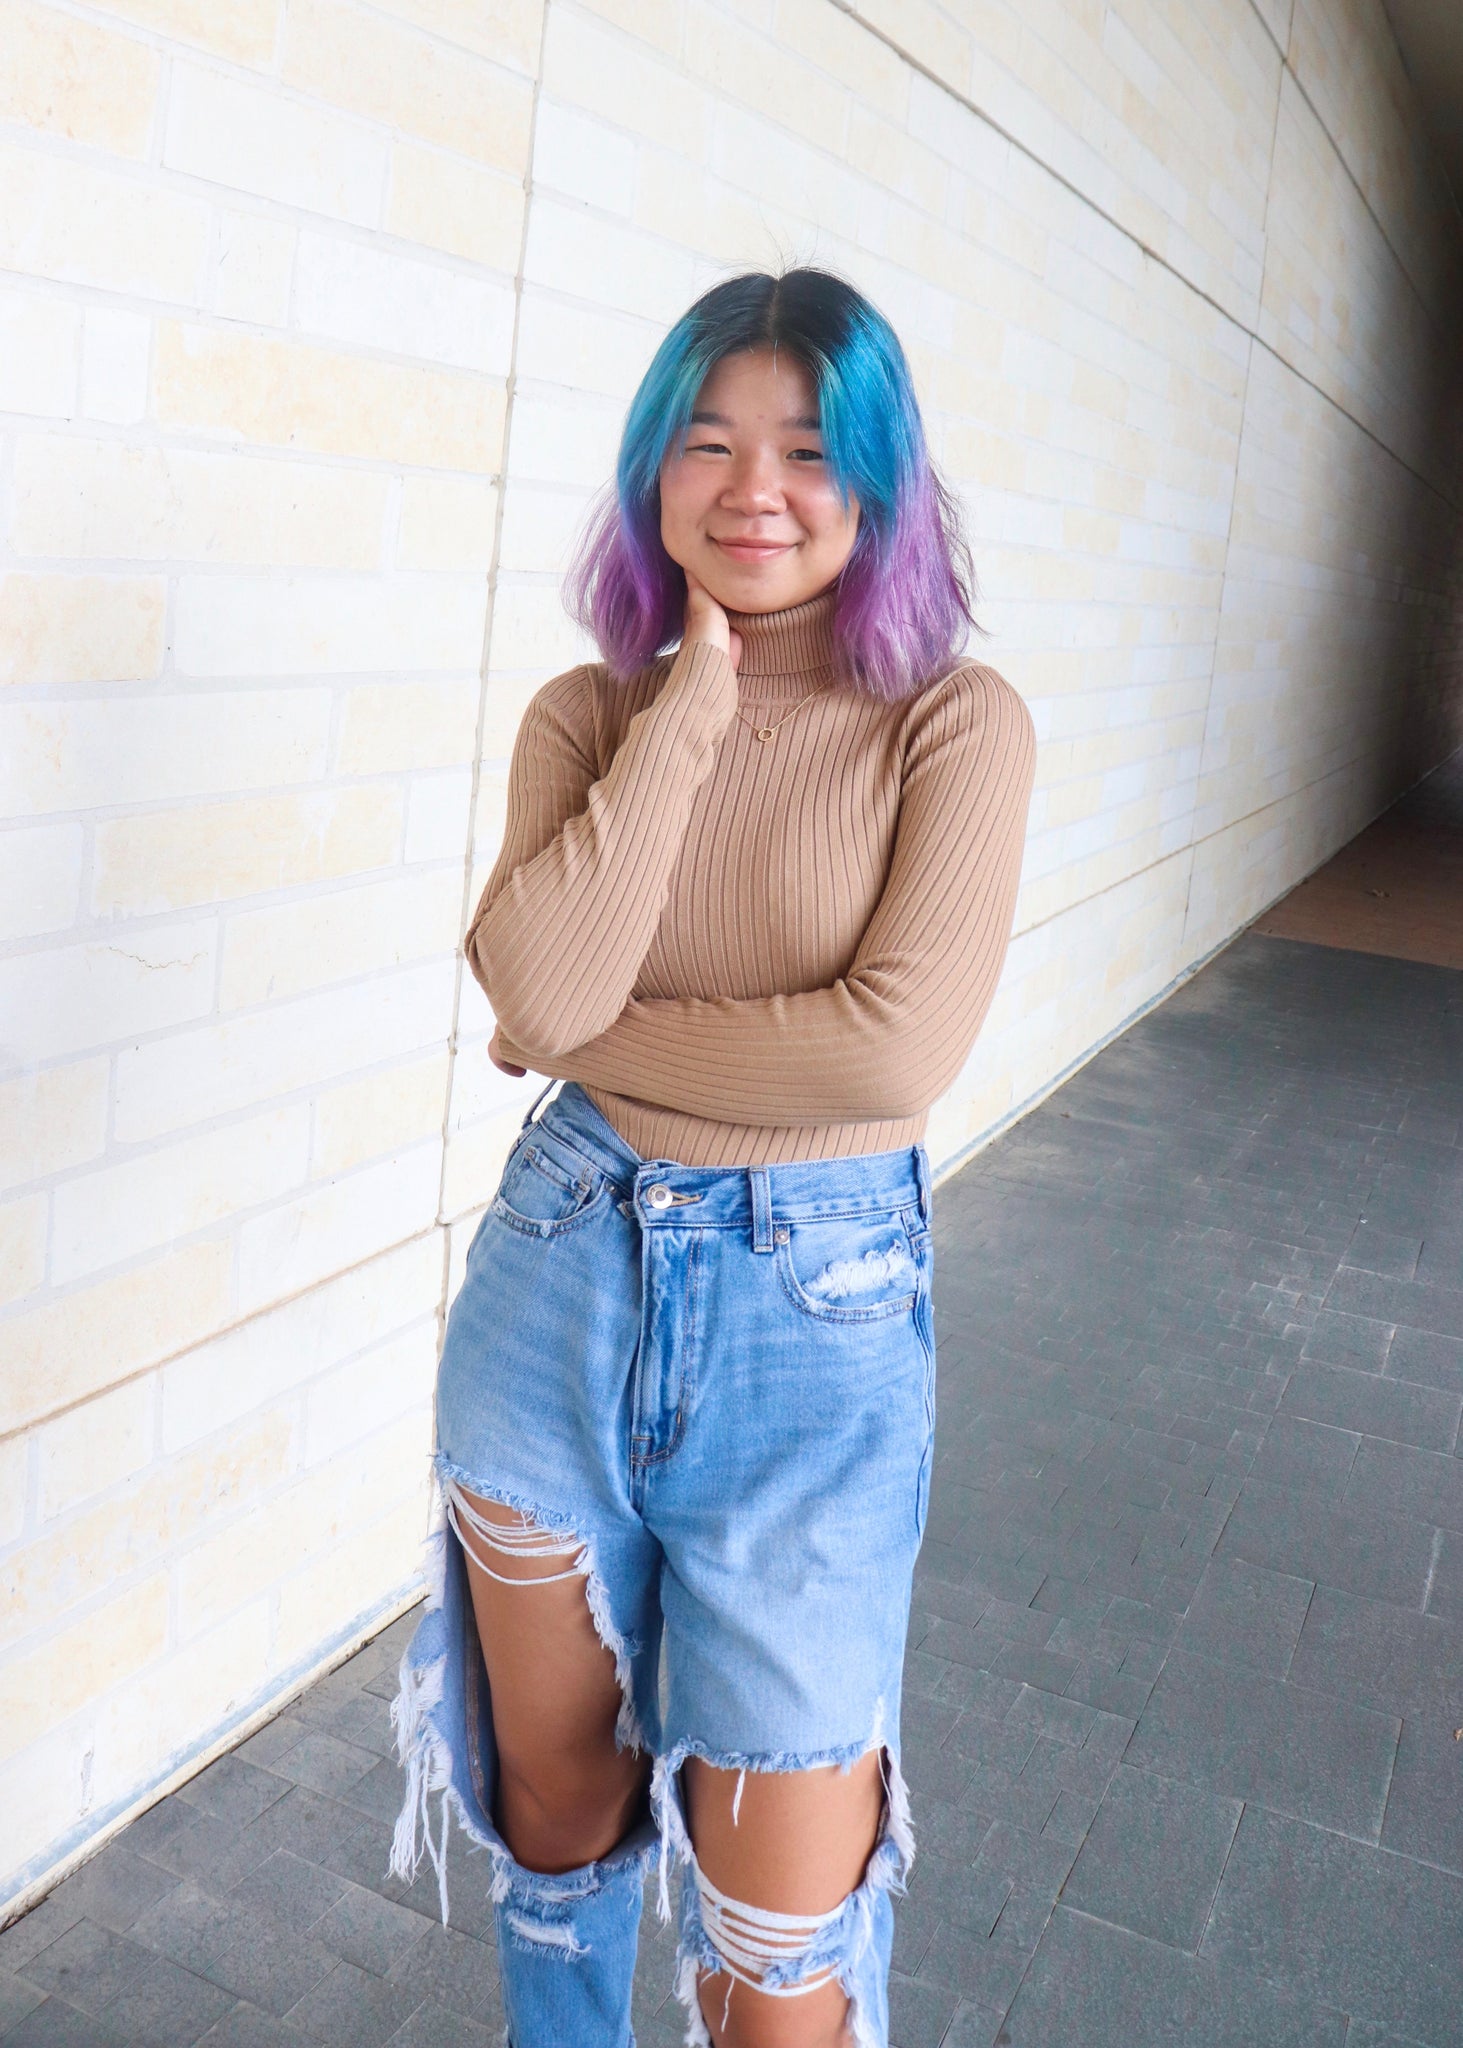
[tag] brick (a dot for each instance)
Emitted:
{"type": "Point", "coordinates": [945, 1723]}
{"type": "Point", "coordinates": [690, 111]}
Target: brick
{"type": "Point", "coordinates": [199, 1686]}
{"type": "Point", "coordinates": [23, 1235]}
{"type": "Point", "coordinates": [386, 1553]}
{"type": "Point", "coordinates": [209, 853]}
{"type": "Point", "coordinates": [40, 345]}
{"type": "Point", "coordinates": [240, 29]}
{"type": "Point", "coordinates": [447, 523]}
{"type": "Point", "coordinates": [326, 625]}
{"type": "Point", "coordinates": [106, 498]}
{"type": "Point", "coordinates": [414, 725]}
{"type": "Point", "coordinates": [72, 998]}
{"type": "Point", "coordinates": [116, 349]}
{"type": "Point", "coordinates": [78, 80]}
{"type": "Point", "coordinates": [52, 1120]}
{"type": "Point", "coordinates": [326, 1229]}
{"type": "Point", "coordinates": [78, 223]}
{"type": "Point", "coordinates": [385, 73]}
{"type": "Point", "coordinates": [341, 936]}
{"type": "Point", "coordinates": [75, 756]}
{"type": "Point", "coordinates": [252, 1059]}
{"type": "Point", "coordinates": [84, 1341]}
{"type": "Point", "coordinates": [467, 209]}
{"type": "Point", "coordinates": [508, 32]}
{"type": "Point", "coordinates": [252, 139]}
{"type": "Point", "coordinates": [215, 1386]}
{"type": "Point", "coordinates": [80, 629]}
{"type": "Point", "coordinates": [373, 1390]}
{"type": "Point", "coordinates": [437, 812]}
{"type": "Point", "coordinates": [101, 1546]}
{"type": "Point", "coordinates": [403, 305]}
{"type": "Point", "coordinates": [252, 267]}
{"type": "Point", "coordinates": [96, 1446]}
{"type": "Point", "coordinates": [150, 1201]}
{"type": "Point", "coordinates": [76, 1664]}
{"type": "Point", "coordinates": [378, 1113]}
{"type": "Point", "coordinates": [288, 394]}
{"type": "Point", "coordinates": [40, 884]}
{"type": "Point", "coordinates": [250, 1556]}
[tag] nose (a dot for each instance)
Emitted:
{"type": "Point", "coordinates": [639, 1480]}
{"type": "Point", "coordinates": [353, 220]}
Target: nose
{"type": "Point", "coordinates": [754, 485]}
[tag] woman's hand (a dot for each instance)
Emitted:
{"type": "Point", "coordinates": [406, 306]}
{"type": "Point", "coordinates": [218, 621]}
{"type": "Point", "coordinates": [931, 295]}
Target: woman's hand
{"type": "Point", "coordinates": [705, 620]}
{"type": "Point", "coordinates": [504, 1066]}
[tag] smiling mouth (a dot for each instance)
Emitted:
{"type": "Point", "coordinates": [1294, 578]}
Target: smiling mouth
{"type": "Point", "coordinates": [753, 550]}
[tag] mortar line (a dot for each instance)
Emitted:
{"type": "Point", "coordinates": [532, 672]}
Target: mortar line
{"type": "Point", "coordinates": [479, 733]}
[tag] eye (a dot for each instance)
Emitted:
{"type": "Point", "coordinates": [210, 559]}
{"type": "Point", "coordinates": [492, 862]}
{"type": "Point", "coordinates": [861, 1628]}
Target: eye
{"type": "Point", "coordinates": [707, 448]}
{"type": "Point", "coordinates": [805, 455]}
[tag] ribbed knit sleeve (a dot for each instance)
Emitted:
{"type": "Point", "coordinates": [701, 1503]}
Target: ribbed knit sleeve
{"type": "Point", "coordinates": [580, 882]}
{"type": "Point", "coordinates": [889, 1037]}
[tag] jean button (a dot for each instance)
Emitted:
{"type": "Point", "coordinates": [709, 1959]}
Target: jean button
{"type": "Point", "coordinates": [659, 1197]}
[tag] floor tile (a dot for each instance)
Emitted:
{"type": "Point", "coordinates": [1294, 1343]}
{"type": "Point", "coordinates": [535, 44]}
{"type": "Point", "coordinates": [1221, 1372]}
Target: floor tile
{"type": "Point", "coordinates": [1096, 1986]}
{"type": "Point", "coordinates": [1153, 1858]}
{"type": "Point", "coordinates": [1376, 1934]}
{"type": "Point", "coordinates": [1245, 1736]}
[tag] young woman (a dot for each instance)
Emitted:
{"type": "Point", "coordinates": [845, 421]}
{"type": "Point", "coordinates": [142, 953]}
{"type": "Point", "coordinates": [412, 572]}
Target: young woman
{"type": "Point", "coordinates": [751, 906]}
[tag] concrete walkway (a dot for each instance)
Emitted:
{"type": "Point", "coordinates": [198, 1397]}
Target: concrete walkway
{"type": "Point", "coordinates": [1185, 1701]}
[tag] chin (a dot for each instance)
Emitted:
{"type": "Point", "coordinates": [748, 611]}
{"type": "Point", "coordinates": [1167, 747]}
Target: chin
{"type": "Point", "coordinates": [750, 590]}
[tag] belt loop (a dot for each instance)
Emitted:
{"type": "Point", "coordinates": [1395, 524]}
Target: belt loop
{"type": "Point", "coordinates": [926, 1200]}
{"type": "Point", "coordinates": [761, 1181]}
{"type": "Point", "coordinates": [536, 1101]}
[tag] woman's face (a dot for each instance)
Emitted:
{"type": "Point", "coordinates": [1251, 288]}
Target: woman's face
{"type": "Point", "coordinates": [748, 505]}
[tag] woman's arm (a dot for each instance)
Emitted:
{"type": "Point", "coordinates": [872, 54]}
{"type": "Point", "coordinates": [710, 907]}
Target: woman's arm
{"type": "Point", "coordinates": [887, 1039]}
{"type": "Point", "coordinates": [575, 895]}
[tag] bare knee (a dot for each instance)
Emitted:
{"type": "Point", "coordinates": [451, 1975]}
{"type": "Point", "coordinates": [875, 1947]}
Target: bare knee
{"type": "Point", "coordinates": [777, 1856]}
{"type": "Point", "coordinates": [556, 1817]}
{"type": "Point", "coordinates": [749, 2019]}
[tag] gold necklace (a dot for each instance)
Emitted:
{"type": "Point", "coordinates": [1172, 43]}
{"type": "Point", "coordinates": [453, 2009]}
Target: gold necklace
{"type": "Point", "coordinates": [765, 732]}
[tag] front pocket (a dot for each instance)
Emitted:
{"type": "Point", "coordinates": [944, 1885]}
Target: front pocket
{"type": "Point", "coordinates": [546, 1186]}
{"type": "Point", "coordinates": [849, 1269]}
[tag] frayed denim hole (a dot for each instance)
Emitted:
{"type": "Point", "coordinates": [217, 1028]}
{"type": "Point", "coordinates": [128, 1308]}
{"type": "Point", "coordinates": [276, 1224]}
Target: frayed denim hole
{"type": "Point", "coordinates": [844, 1936]}
{"type": "Point", "coordinates": [545, 1535]}
{"type": "Point", "coordinates": [539, 1934]}
{"type": "Point", "coordinates": [849, 1279]}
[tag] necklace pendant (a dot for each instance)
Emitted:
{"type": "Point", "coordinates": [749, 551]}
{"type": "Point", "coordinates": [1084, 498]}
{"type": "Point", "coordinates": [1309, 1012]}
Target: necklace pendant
{"type": "Point", "coordinates": [765, 732]}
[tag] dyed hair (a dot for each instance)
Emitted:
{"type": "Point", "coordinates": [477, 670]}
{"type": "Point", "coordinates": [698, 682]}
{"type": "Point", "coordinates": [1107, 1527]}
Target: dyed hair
{"type": "Point", "coordinates": [904, 597]}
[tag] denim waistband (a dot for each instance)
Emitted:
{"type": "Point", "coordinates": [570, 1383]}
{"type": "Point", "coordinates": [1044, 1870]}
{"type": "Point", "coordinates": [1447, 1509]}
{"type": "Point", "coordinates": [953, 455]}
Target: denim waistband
{"type": "Point", "coordinates": [727, 1196]}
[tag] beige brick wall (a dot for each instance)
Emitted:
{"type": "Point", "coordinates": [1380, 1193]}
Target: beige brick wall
{"type": "Point", "coordinates": [317, 324]}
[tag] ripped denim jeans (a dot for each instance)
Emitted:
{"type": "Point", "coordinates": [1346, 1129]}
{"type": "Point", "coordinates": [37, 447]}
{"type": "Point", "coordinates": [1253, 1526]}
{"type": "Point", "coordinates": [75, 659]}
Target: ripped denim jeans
{"type": "Point", "coordinates": [711, 1391]}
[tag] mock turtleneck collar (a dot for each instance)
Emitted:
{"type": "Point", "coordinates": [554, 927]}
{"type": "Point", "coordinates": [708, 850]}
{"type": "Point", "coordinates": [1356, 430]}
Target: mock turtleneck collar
{"type": "Point", "coordinates": [786, 653]}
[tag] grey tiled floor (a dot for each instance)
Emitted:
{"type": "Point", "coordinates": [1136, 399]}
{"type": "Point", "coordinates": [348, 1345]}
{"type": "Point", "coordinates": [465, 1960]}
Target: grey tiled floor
{"type": "Point", "coordinates": [1187, 1658]}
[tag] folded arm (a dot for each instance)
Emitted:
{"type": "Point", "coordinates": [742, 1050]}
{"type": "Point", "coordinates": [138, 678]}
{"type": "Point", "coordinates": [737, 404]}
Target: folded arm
{"type": "Point", "coordinates": [887, 1039]}
{"type": "Point", "coordinates": [580, 882]}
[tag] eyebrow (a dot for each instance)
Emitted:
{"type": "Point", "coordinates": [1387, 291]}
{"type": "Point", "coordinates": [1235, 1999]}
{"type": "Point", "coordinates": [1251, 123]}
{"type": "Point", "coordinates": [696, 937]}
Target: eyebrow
{"type": "Point", "coordinates": [806, 423]}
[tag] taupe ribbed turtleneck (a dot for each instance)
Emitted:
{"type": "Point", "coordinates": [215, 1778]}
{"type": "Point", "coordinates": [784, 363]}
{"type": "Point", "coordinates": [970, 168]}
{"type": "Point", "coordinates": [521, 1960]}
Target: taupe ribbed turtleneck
{"type": "Point", "coordinates": [745, 950]}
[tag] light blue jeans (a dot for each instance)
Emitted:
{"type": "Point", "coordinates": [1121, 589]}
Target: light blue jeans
{"type": "Point", "coordinates": [715, 1386]}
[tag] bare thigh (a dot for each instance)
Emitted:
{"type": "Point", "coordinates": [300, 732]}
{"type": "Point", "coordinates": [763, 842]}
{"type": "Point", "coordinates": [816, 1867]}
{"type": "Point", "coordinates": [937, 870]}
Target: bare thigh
{"type": "Point", "coordinates": [566, 1794]}
{"type": "Point", "coordinates": [799, 1844]}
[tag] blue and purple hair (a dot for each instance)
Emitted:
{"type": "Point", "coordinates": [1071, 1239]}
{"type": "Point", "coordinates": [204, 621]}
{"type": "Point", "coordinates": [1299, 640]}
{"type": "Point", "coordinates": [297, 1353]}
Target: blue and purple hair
{"type": "Point", "coordinates": [905, 595]}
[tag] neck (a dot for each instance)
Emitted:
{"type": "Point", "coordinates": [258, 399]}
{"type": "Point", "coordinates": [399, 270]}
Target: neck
{"type": "Point", "coordinates": [788, 653]}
